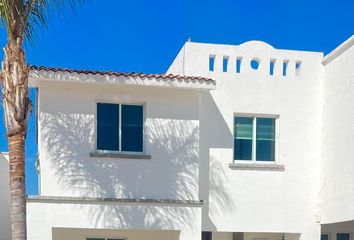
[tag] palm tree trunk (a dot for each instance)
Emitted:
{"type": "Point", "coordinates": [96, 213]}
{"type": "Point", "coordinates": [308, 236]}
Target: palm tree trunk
{"type": "Point", "coordinates": [17, 186]}
{"type": "Point", "coordinates": [14, 78]}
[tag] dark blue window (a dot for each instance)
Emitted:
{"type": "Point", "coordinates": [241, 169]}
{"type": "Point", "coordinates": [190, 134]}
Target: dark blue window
{"type": "Point", "coordinates": [254, 139]}
{"type": "Point", "coordinates": [130, 125]}
{"type": "Point", "coordinates": [285, 68]}
{"type": "Point", "coordinates": [238, 65]}
{"type": "Point", "coordinates": [243, 138]}
{"type": "Point", "coordinates": [132, 128]}
{"type": "Point", "coordinates": [343, 236]}
{"type": "Point", "coordinates": [107, 126]}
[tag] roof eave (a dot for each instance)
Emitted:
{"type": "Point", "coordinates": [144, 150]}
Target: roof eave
{"type": "Point", "coordinates": [38, 76]}
{"type": "Point", "coordinates": [338, 51]}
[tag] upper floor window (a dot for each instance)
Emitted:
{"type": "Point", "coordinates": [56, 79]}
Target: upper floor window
{"type": "Point", "coordinates": [254, 138]}
{"type": "Point", "coordinates": [120, 127]}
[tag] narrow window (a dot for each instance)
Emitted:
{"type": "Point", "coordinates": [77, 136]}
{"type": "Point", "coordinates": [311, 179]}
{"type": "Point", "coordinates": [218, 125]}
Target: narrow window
{"type": "Point", "coordinates": [238, 65]}
{"type": "Point", "coordinates": [265, 142]}
{"type": "Point", "coordinates": [211, 63]}
{"type": "Point", "coordinates": [254, 139]}
{"type": "Point", "coordinates": [285, 67]}
{"type": "Point", "coordinates": [271, 67]}
{"type": "Point", "coordinates": [225, 62]}
{"type": "Point", "coordinates": [132, 128]}
{"type": "Point", "coordinates": [107, 126]}
{"type": "Point", "coordinates": [119, 127]}
{"type": "Point", "coordinates": [297, 67]}
{"type": "Point", "coordinates": [243, 138]}
{"type": "Point", "coordinates": [343, 236]}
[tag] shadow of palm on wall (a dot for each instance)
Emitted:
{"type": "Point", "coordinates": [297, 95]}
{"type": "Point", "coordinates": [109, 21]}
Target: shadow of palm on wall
{"type": "Point", "coordinates": [172, 173]}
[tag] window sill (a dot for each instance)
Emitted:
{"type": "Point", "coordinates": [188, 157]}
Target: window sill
{"type": "Point", "coordinates": [257, 166]}
{"type": "Point", "coordinates": [120, 155]}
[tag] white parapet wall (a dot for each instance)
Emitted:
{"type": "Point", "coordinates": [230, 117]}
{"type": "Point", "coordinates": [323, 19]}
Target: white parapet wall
{"type": "Point", "coordinates": [5, 225]}
{"type": "Point", "coordinates": [337, 189]}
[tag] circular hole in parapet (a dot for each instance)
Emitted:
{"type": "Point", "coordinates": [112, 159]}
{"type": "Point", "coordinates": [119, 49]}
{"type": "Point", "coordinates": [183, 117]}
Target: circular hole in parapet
{"type": "Point", "coordinates": [255, 63]}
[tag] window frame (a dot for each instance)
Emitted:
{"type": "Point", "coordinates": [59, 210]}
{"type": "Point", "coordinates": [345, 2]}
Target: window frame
{"type": "Point", "coordinates": [344, 232]}
{"type": "Point", "coordinates": [254, 135]}
{"type": "Point", "coordinates": [120, 103]}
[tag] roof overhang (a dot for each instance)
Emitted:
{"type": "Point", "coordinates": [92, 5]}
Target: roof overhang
{"type": "Point", "coordinates": [38, 75]}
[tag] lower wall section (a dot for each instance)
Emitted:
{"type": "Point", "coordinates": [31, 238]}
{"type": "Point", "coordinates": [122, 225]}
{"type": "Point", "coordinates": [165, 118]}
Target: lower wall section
{"type": "Point", "coordinates": [48, 219]}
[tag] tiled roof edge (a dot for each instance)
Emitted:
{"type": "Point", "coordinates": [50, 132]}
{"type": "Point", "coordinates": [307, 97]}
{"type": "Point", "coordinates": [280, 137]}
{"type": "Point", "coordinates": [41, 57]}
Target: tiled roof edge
{"type": "Point", "coordinates": [124, 74]}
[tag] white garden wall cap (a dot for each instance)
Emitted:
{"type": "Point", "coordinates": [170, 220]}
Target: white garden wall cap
{"type": "Point", "coordinates": [338, 51]}
{"type": "Point", "coordinates": [133, 78]}
{"type": "Point", "coordinates": [93, 200]}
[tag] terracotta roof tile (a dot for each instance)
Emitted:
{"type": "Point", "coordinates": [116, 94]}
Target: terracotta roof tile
{"type": "Point", "coordinates": [170, 77]}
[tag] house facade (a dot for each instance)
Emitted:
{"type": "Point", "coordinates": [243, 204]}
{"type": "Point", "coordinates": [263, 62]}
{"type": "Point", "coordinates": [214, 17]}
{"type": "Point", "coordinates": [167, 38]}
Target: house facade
{"type": "Point", "coordinates": [234, 142]}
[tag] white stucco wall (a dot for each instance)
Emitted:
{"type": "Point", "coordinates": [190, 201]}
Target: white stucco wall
{"type": "Point", "coordinates": [189, 135]}
{"type": "Point", "coordinates": [251, 200]}
{"type": "Point", "coordinates": [5, 225]}
{"type": "Point", "coordinates": [44, 218]}
{"type": "Point", "coordinates": [67, 113]}
{"type": "Point", "coordinates": [337, 189]}
{"type": "Point", "coordinates": [177, 66]}
{"type": "Point", "coordinates": [67, 137]}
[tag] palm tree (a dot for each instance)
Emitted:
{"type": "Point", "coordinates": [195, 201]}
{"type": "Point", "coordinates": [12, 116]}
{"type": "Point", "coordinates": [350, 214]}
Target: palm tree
{"type": "Point", "coordinates": [20, 17]}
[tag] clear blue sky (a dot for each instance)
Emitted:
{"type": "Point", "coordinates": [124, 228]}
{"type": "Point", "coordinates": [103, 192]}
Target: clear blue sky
{"type": "Point", "coordinates": [145, 36]}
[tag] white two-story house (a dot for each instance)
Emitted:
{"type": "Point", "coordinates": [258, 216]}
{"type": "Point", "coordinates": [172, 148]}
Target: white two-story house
{"type": "Point", "coordinates": [234, 142]}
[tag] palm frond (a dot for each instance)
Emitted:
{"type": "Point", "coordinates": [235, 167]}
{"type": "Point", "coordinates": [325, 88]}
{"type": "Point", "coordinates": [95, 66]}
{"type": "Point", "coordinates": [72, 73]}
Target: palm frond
{"type": "Point", "coordinates": [22, 17]}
